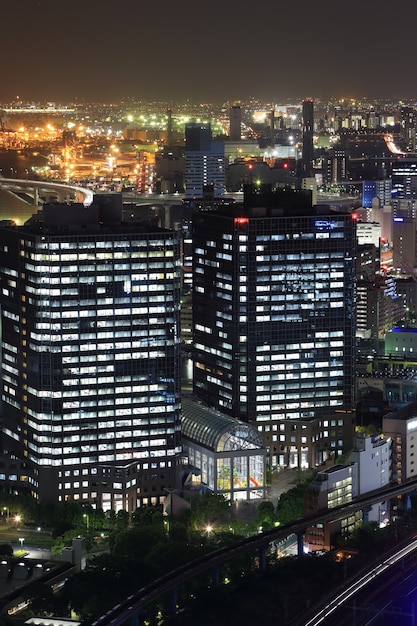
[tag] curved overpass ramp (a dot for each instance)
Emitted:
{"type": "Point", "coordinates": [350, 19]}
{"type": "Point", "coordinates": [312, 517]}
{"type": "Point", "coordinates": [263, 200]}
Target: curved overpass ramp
{"type": "Point", "coordinates": [19, 199]}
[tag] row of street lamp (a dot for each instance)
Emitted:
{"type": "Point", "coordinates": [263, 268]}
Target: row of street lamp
{"type": "Point", "coordinates": [13, 172]}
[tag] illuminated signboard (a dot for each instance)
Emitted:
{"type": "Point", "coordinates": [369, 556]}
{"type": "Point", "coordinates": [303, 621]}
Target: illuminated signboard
{"type": "Point", "coordinates": [325, 224]}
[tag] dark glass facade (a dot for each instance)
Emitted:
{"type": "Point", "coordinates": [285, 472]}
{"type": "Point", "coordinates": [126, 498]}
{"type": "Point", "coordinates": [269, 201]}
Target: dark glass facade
{"type": "Point", "coordinates": [274, 313]}
{"type": "Point", "coordinates": [91, 362]}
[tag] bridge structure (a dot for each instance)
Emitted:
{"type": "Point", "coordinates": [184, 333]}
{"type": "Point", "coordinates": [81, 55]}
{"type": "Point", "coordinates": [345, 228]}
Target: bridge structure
{"type": "Point", "coordinates": [34, 188]}
{"type": "Point", "coordinates": [135, 605]}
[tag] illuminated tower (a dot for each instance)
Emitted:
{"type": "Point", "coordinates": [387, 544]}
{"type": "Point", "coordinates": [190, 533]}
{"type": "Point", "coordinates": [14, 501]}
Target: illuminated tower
{"type": "Point", "coordinates": [274, 320]}
{"type": "Point", "coordinates": [235, 132]}
{"type": "Point", "coordinates": [91, 361]}
{"type": "Point", "coordinates": [204, 162]}
{"type": "Point", "coordinates": [308, 129]}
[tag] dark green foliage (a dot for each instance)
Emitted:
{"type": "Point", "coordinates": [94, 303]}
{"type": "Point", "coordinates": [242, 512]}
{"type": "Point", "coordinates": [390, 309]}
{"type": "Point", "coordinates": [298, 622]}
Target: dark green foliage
{"type": "Point", "coordinates": [291, 503]}
{"type": "Point", "coordinates": [208, 508]}
{"type": "Point", "coordinates": [366, 537]}
{"type": "Point", "coordinates": [266, 515]}
{"type": "Point", "coordinates": [61, 528]}
{"type": "Point", "coordinates": [283, 592]}
{"type": "Point", "coordinates": [42, 599]}
{"type": "Point", "coordinates": [147, 515]}
{"type": "Point", "coordinates": [6, 549]}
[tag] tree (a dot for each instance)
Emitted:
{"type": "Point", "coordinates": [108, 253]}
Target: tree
{"type": "Point", "coordinates": [6, 549]}
{"type": "Point", "coordinates": [266, 514]}
{"type": "Point", "coordinates": [136, 543]}
{"type": "Point", "coordinates": [207, 508]}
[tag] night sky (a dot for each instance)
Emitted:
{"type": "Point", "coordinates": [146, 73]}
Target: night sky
{"type": "Point", "coordinates": [221, 50]}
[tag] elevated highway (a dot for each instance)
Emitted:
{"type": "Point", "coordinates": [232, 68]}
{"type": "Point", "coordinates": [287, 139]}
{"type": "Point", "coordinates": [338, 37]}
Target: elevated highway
{"type": "Point", "coordinates": [35, 188]}
{"type": "Point", "coordinates": [135, 604]}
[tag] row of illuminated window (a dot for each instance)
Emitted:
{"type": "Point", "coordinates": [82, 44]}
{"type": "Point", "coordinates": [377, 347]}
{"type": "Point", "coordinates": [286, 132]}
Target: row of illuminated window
{"type": "Point", "coordinates": [213, 351]}
{"type": "Point", "coordinates": [103, 352]}
{"type": "Point", "coordinates": [9, 368]}
{"type": "Point", "coordinates": [303, 395]}
{"type": "Point", "coordinates": [124, 317]}
{"type": "Point", "coordinates": [304, 303]}
{"type": "Point", "coordinates": [60, 450]}
{"type": "Point", "coordinates": [76, 276]}
{"type": "Point", "coordinates": [97, 293]}
{"type": "Point", "coordinates": [204, 329]}
{"type": "Point", "coordinates": [309, 345]}
{"type": "Point", "coordinates": [159, 339]}
{"type": "Point", "coordinates": [300, 281]}
{"type": "Point", "coordinates": [294, 356]}
{"type": "Point", "coordinates": [297, 268]}
{"type": "Point", "coordinates": [78, 244]}
{"type": "Point", "coordinates": [129, 435]}
{"type": "Point", "coordinates": [294, 293]}
{"type": "Point", "coordinates": [265, 411]}
{"type": "Point", "coordinates": [291, 318]}
{"type": "Point", "coordinates": [102, 312]}
{"type": "Point", "coordinates": [57, 423]}
{"type": "Point", "coordinates": [101, 458]}
{"type": "Point", "coordinates": [307, 224]}
{"type": "Point", "coordinates": [93, 470]}
{"type": "Point", "coordinates": [321, 371]}
{"type": "Point", "coordinates": [293, 384]}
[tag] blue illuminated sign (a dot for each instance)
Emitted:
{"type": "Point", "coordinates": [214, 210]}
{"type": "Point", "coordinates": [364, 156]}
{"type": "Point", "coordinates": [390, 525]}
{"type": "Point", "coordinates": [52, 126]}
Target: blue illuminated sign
{"type": "Point", "coordinates": [325, 225]}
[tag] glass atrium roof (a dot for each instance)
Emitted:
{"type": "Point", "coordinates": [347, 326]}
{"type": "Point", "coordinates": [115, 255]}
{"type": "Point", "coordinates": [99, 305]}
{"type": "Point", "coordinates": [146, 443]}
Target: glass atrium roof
{"type": "Point", "coordinates": [215, 431]}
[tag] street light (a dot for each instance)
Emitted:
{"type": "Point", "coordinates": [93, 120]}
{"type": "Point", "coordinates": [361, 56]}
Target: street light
{"type": "Point", "coordinates": [87, 520]}
{"type": "Point", "coordinates": [17, 519]}
{"type": "Point", "coordinates": [6, 508]}
{"type": "Point", "coordinates": [21, 539]}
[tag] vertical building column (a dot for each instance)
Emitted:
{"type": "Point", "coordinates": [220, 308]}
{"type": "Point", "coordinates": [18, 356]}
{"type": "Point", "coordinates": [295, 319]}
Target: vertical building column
{"type": "Point", "coordinates": [300, 543]}
{"type": "Point", "coordinates": [216, 575]}
{"type": "Point", "coordinates": [262, 558]}
{"type": "Point", "coordinates": [35, 196]}
{"type": "Point", "coordinates": [137, 617]}
{"type": "Point", "coordinates": [172, 601]}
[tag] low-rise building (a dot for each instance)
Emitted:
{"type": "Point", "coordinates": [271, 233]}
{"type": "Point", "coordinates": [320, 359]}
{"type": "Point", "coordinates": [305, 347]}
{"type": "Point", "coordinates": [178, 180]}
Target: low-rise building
{"type": "Point", "coordinates": [373, 457]}
{"type": "Point", "coordinates": [401, 426]}
{"type": "Point", "coordinates": [334, 486]}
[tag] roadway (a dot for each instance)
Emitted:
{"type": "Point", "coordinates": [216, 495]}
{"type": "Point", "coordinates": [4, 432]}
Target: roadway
{"type": "Point", "coordinates": [15, 185]}
{"type": "Point", "coordinates": [137, 602]}
{"type": "Point", "coordinates": [386, 590]}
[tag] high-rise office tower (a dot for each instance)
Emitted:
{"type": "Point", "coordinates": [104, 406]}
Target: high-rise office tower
{"type": "Point", "coordinates": [274, 320]}
{"type": "Point", "coordinates": [308, 130]}
{"type": "Point", "coordinates": [90, 351]}
{"type": "Point", "coordinates": [204, 162]}
{"type": "Point", "coordinates": [409, 127]}
{"type": "Point", "coordinates": [335, 166]}
{"type": "Point", "coordinates": [235, 113]}
{"type": "Point", "coordinates": [404, 179]}
{"type": "Point", "coordinates": [376, 190]}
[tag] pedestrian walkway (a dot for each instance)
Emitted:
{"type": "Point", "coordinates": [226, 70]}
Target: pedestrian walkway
{"type": "Point", "coordinates": [282, 481]}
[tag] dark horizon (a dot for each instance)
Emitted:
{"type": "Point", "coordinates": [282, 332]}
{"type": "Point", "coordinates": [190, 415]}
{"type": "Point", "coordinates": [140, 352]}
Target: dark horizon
{"type": "Point", "coordinates": [101, 51]}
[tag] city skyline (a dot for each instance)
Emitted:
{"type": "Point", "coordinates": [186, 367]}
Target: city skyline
{"type": "Point", "coordinates": [94, 51]}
